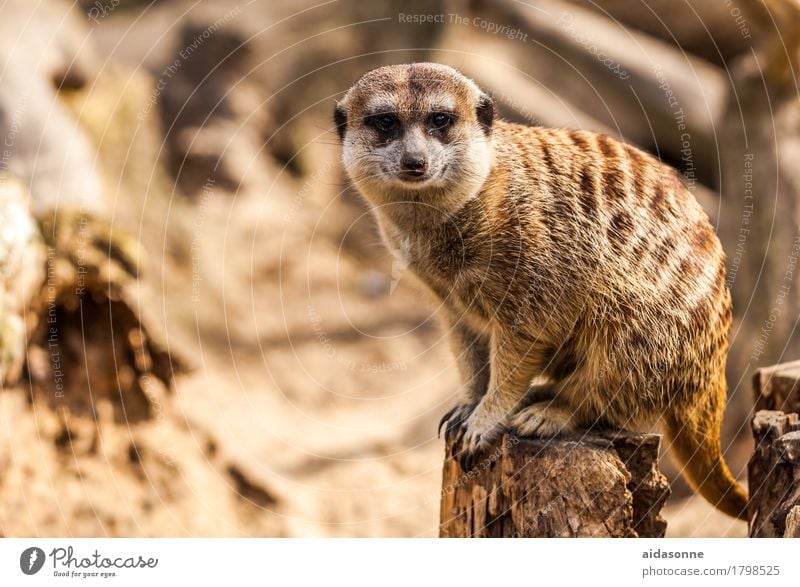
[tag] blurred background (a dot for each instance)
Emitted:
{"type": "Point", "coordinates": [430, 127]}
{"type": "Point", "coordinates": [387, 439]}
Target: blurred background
{"type": "Point", "coordinates": [201, 333]}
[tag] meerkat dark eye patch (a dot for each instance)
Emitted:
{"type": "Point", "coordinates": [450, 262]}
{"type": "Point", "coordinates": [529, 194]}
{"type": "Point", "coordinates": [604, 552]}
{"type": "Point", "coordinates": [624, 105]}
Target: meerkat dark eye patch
{"type": "Point", "coordinates": [485, 113]}
{"type": "Point", "coordinates": [385, 123]}
{"type": "Point", "coordinates": [440, 120]}
{"type": "Point", "coordinates": [340, 120]}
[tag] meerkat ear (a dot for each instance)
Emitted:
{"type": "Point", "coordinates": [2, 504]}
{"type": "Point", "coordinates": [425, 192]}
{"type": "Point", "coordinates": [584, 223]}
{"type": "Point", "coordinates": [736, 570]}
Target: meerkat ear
{"type": "Point", "coordinates": [485, 112]}
{"type": "Point", "coordinates": [340, 120]}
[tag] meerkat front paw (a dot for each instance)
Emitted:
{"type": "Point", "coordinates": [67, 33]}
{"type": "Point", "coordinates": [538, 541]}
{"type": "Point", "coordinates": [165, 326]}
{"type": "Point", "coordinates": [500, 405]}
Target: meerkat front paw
{"type": "Point", "coordinates": [543, 420]}
{"type": "Point", "coordinates": [480, 431]}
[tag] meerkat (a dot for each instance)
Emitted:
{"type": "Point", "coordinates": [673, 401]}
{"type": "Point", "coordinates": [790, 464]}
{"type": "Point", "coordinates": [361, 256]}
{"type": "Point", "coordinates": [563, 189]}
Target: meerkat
{"type": "Point", "coordinates": [562, 256]}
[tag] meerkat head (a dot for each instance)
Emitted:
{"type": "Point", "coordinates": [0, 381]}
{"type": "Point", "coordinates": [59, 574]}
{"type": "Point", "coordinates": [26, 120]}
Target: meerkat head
{"type": "Point", "coordinates": [419, 132]}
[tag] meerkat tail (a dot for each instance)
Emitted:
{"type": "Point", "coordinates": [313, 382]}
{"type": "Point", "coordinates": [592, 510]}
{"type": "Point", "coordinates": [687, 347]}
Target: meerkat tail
{"type": "Point", "coordinates": [693, 436]}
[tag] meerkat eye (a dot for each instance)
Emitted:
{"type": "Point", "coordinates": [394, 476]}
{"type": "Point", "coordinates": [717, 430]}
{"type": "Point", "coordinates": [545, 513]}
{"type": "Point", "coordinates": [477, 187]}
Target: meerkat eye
{"type": "Point", "coordinates": [383, 122]}
{"type": "Point", "coordinates": [440, 120]}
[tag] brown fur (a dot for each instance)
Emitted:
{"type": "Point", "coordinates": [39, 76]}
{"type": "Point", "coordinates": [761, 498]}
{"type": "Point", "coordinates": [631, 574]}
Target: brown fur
{"type": "Point", "coordinates": [556, 254]}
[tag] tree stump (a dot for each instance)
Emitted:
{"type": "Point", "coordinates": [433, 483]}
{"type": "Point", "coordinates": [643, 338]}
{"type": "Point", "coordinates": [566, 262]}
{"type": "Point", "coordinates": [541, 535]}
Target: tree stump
{"type": "Point", "coordinates": [774, 476]}
{"type": "Point", "coordinates": [774, 468]}
{"type": "Point", "coordinates": [778, 388]}
{"type": "Point", "coordinates": [602, 484]}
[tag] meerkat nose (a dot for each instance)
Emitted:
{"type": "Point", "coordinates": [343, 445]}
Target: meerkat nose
{"type": "Point", "coordinates": [414, 164]}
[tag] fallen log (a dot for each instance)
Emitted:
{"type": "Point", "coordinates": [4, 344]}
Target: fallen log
{"type": "Point", "coordinates": [602, 484]}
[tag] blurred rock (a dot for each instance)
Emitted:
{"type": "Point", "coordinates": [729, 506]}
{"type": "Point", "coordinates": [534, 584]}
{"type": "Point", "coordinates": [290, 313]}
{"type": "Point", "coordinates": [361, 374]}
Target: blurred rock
{"type": "Point", "coordinates": [98, 9]}
{"type": "Point", "coordinates": [592, 72]}
{"type": "Point", "coordinates": [717, 31]}
{"type": "Point", "coordinates": [211, 113]}
{"type": "Point", "coordinates": [91, 341]}
{"type": "Point", "coordinates": [760, 214]}
{"type": "Point", "coordinates": [44, 48]}
{"type": "Point", "coordinates": [22, 274]}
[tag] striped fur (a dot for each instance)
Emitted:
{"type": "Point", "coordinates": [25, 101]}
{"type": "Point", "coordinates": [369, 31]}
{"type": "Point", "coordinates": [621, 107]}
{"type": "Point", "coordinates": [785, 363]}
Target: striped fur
{"type": "Point", "coordinates": [556, 254]}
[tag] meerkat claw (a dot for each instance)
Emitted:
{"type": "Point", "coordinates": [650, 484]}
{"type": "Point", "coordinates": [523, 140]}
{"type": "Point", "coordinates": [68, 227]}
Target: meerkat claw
{"type": "Point", "coordinates": [475, 442]}
{"type": "Point", "coordinates": [468, 458]}
{"type": "Point", "coordinates": [466, 461]}
{"type": "Point", "coordinates": [445, 420]}
{"type": "Point", "coordinates": [454, 419]}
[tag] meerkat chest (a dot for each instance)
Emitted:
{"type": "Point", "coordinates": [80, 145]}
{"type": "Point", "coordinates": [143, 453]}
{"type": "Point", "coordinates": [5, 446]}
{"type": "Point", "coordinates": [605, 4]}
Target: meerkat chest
{"type": "Point", "coordinates": [455, 269]}
{"type": "Point", "coordinates": [433, 257]}
{"type": "Point", "coordinates": [403, 250]}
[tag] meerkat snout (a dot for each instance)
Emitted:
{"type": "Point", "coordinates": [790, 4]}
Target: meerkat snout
{"type": "Point", "coordinates": [414, 164]}
{"type": "Point", "coordinates": [412, 131]}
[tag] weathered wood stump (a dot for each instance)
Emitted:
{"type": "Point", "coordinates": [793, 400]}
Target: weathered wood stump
{"type": "Point", "coordinates": [778, 388]}
{"type": "Point", "coordinates": [774, 468]}
{"type": "Point", "coordinates": [595, 484]}
{"type": "Point", "coordinates": [774, 476]}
